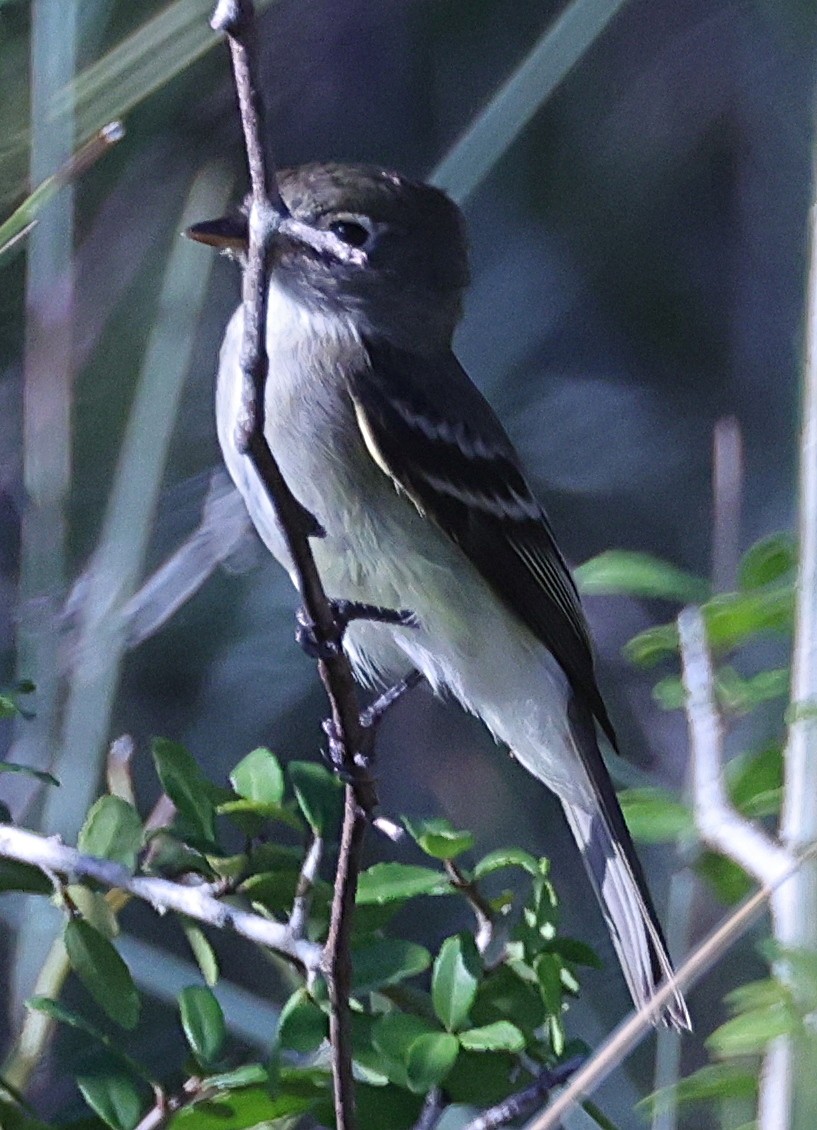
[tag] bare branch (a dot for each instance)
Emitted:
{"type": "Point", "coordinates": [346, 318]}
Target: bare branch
{"type": "Point", "coordinates": [720, 825]}
{"type": "Point", "coordinates": [52, 856]}
{"type": "Point", "coordinates": [525, 1102]}
{"type": "Point", "coordinates": [337, 963]}
{"type": "Point", "coordinates": [433, 1108]}
{"type": "Point", "coordinates": [479, 904]}
{"type": "Point", "coordinates": [303, 891]}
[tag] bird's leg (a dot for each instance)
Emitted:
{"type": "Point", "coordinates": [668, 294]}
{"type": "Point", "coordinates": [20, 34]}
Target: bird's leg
{"type": "Point", "coordinates": [370, 719]}
{"type": "Point", "coordinates": [372, 716]}
{"type": "Point", "coordinates": [343, 613]}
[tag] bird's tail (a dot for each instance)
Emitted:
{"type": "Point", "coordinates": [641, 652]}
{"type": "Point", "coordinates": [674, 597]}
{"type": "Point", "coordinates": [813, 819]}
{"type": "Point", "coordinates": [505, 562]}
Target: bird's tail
{"type": "Point", "coordinates": [616, 877]}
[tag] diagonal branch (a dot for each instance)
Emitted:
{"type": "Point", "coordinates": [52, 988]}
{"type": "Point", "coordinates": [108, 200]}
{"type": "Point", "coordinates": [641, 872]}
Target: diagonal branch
{"type": "Point", "coordinates": [639, 1024]}
{"type": "Point", "coordinates": [51, 856]}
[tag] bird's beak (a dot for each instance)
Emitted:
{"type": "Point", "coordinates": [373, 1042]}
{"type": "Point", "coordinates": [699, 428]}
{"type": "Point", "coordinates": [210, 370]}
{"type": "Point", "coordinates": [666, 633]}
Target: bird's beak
{"type": "Point", "coordinates": [228, 233]}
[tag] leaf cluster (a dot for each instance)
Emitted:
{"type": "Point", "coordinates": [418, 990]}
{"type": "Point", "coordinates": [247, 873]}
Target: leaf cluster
{"type": "Point", "coordinates": [477, 1019]}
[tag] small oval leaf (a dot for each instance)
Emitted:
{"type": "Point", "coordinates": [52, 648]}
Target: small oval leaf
{"type": "Point", "coordinates": [259, 777]}
{"type": "Point", "coordinates": [501, 1036]}
{"type": "Point", "coordinates": [302, 1026]}
{"type": "Point", "coordinates": [319, 795]}
{"type": "Point", "coordinates": [103, 972]}
{"type": "Point", "coordinates": [430, 1059]}
{"type": "Point", "coordinates": [389, 882]}
{"type": "Point", "coordinates": [438, 837]}
{"type": "Point", "coordinates": [112, 830]}
{"type": "Point", "coordinates": [203, 1023]}
{"type": "Point", "coordinates": [114, 1097]}
{"type": "Point", "coordinates": [619, 571]}
{"type": "Point", "coordinates": [455, 980]}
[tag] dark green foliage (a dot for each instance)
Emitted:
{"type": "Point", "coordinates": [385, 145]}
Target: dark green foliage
{"type": "Point", "coordinates": [419, 1020]}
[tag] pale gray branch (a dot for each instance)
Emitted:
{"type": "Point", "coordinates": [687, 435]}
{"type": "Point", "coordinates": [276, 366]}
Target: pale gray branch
{"type": "Point", "coordinates": [50, 855]}
{"type": "Point", "coordinates": [721, 827]}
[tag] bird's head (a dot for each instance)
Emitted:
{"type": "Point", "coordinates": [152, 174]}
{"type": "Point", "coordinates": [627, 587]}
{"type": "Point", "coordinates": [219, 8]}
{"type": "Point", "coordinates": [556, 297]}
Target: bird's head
{"type": "Point", "coordinates": [366, 243]}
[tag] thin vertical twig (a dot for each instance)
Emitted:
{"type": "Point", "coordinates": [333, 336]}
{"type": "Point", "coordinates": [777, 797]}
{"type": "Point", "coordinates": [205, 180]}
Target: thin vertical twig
{"type": "Point", "coordinates": [267, 212]}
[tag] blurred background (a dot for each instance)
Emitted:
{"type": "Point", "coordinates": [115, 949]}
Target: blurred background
{"type": "Point", "coordinates": [638, 255]}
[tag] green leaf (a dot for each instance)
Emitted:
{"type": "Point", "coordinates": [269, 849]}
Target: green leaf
{"type": "Point", "coordinates": [15, 876]}
{"type": "Point", "coordinates": [386, 961]}
{"type": "Point", "coordinates": [651, 646]}
{"type": "Point", "coordinates": [114, 1097]}
{"type": "Point", "coordinates": [730, 882]}
{"type": "Point", "coordinates": [669, 693]}
{"type": "Point", "coordinates": [94, 908]}
{"type": "Point", "coordinates": [386, 882]}
{"type": "Point", "coordinates": [750, 1032]}
{"type": "Point", "coordinates": [103, 972]}
{"type": "Point", "coordinates": [770, 559]}
{"type": "Point", "coordinates": [430, 1059]}
{"type": "Point", "coordinates": [732, 618]}
{"type": "Point", "coordinates": [506, 857]}
{"type": "Point", "coordinates": [14, 1117]}
{"type": "Point", "coordinates": [250, 815]}
{"type": "Point", "coordinates": [501, 1036]}
{"type": "Point", "coordinates": [756, 781]}
{"type": "Point", "coordinates": [302, 1026]}
{"type": "Point", "coordinates": [505, 995]}
{"type": "Point", "coordinates": [319, 794]}
{"type": "Point", "coordinates": [112, 830]}
{"type": "Point", "coordinates": [548, 970]}
{"type": "Point", "coordinates": [739, 695]}
{"type": "Point", "coordinates": [384, 1108]}
{"type": "Point", "coordinates": [619, 571]}
{"type": "Point", "coordinates": [484, 1078]}
{"type": "Point", "coordinates": [249, 1075]}
{"type": "Point", "coordinates": [193, 795]}
{"type": "Point", "coordinates": [654, 816]}
{"type": "Point", "coordinates": [203, 1023]}
{"type": "Point", "coordinates": [14, 767]}
{"type": "Point", "coordinates": [572, 950]}
{"type": "Point", "coordinates": [240, 1110]}
{"type": "Point", "coordinates": [712, 1083]}
{"type": "Point", "coordinates": [394, 1034]}
{"type": "Point", "coordinates": [65, 1015]}
{"type": "Point", "coordinates": [438, 838]}
{"type": "Point", "coordinates": [259, 777]}
{"type": "Point", "coordinates": [203, 952]}
{"type": "Point", "coordinates": [455, 980]}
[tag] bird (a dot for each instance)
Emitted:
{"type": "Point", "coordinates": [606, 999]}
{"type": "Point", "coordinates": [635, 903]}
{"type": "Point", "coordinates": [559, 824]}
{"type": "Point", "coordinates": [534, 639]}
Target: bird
{"type": "Point", "coordinates": [423, 503]}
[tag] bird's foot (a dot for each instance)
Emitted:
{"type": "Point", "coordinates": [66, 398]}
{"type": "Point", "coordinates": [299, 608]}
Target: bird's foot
{"type": "Point", "coordinates": [343, 613]}
{"type": "Point", "coordinates": [370, 719]}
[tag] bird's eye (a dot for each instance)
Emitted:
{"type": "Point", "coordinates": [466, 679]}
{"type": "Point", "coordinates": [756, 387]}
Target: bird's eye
{"type": "Point", "coordinates": [350, 232]}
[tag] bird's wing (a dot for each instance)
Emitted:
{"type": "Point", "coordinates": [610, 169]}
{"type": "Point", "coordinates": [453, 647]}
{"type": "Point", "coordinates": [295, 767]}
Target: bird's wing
{"type": "Point", "coordinates": [439, 440]}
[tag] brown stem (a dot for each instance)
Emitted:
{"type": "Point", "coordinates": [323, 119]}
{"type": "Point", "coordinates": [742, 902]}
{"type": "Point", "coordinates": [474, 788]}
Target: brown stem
{"type": "Point", "coordinates": [479, 904]}
{"type": "Point", "coordinates": [266, 214]}
{"type": "Point", "coordinates": [337, 961]}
